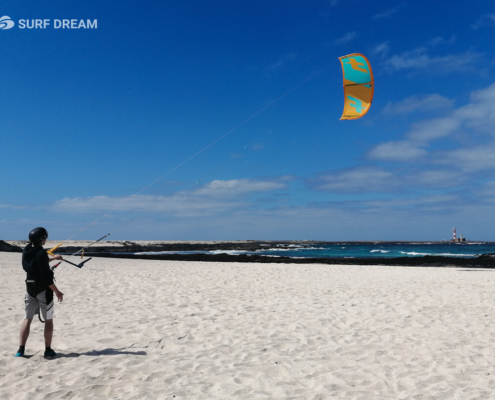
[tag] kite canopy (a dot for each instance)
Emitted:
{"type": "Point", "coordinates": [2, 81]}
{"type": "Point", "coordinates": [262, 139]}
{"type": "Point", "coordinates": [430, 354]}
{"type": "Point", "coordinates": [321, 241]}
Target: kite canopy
{"type": "Point", "coordinates": [358, 85]}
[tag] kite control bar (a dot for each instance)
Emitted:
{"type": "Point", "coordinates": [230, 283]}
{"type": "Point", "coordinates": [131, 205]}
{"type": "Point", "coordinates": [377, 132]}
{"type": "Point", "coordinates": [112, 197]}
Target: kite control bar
{"type": "Point", "coordinates": [81, 264]}
{"type": "Point", "coordinates": [91, 244]}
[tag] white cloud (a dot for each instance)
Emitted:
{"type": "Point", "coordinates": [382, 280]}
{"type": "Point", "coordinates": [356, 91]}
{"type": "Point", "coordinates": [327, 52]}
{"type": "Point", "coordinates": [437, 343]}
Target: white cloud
{"type": "Point", "coordinates": [483, 95]}
{"type": "Point", "coordinates": [345, 39]}
{"type": "Point", "coordinates": [420, 59]}
{"type": "Point", "coordinates": [487, 192]}
{"type": "Point", "coordinates": [214, 197]}
{"type": "Point", "coordinates": [433, 129]}
{"type": "Point", "coordinates": [180, 204]}
{"type": "Point", "coordinates": [441, 40]}
{"type": "Point", "coordinates": [435, 179]}
{"type": "Point", "coordinates": [429, 102]}
{"type": "Point", "coordinates": [480, 113]}
{"type": "Point", "coordinates": [381, 49]}
{"type": "Point", "coordinates": [370, 179]}
{"type": "Point", "coordinates": [236, 187]}
{"type": "Point", "coordinates": [477, 117]}
{"type": "Point", "coordinates": [15, 206]}
{"type": "Point", "coordinates": [403, 151]}
{"type": "Point", "coordinates": [420, 201]}
{"type": "Point", "coordinates": [484, 20]}
{"type": "Point", "coordinates": [18, 207]}
{"type": "Point", "coordinates": [388, 13]}
{"type": "Point", "coordinates": [359, 179]}
{"type": "Point", "coordinates": [469, 159]}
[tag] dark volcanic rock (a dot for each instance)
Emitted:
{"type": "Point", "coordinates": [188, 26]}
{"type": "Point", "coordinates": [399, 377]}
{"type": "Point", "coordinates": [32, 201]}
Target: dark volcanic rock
{"type": "Point", "coordinates": [487, 256]}
{"type": "Point", "coordinates": [426, 261]}
{"type": "Point", "coordinates": [8, 247]}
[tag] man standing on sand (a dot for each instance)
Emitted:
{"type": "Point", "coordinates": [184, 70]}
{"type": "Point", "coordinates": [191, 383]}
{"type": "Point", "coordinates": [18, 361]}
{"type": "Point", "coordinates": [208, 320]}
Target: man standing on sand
{"type": "Point", "coordinates": [40, 288]}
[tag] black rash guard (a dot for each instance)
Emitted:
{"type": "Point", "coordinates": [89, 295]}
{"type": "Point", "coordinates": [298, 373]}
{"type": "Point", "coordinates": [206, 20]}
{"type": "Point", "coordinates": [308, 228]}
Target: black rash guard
{"type": "Point", "coordinates": [35, 263]}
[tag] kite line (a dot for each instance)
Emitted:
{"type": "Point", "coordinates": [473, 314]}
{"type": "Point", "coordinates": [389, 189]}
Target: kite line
{"type": "Point", "coordinates": [203, 149]}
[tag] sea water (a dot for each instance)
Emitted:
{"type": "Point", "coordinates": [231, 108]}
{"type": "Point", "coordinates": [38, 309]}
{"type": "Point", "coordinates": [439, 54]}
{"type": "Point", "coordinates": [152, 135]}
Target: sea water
{"type": "Point", "coordinates": [384, 250]}
{"type": "Point", "coordinates": [362, 250]}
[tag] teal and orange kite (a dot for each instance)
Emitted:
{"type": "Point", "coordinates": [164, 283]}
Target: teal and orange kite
{"type": "Point", "coordinates": [358, 85]}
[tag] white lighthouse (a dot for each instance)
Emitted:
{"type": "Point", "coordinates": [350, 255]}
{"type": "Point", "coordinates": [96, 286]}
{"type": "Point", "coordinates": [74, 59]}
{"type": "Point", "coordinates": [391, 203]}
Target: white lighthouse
{"type": "Point", "coordinates": [454, 238]}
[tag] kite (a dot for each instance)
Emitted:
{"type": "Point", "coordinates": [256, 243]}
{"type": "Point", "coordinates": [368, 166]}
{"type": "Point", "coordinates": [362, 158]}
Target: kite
{"type": "Point", "coordinates": [358, 85]}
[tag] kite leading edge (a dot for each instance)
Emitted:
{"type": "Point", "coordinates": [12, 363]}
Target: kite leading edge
{"type": "Point", "coordinates": [358, 85]}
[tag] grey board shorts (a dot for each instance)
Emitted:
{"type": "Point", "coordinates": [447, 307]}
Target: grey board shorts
{"type": "Point", "coordinates": [42, 301]}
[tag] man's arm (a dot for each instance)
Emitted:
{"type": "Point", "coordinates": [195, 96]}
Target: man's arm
{"type": "Point", "coordinates": [58, 293]}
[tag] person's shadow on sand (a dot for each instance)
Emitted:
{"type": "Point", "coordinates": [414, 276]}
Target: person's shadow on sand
{"type": "Point", "coordinates": [104, 352]}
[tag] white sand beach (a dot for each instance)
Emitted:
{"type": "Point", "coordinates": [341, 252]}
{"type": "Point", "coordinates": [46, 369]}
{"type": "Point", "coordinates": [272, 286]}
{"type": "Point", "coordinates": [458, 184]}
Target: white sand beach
{"type": "Point", "coordinates": [131, 329]}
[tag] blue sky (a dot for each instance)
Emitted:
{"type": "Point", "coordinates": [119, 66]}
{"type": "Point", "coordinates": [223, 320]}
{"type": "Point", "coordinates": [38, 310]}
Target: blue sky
{"type": "Point", "coordinates": [119, 124]}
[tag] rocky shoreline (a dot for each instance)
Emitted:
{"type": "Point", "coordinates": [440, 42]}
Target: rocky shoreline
{"type": "Point", "coordinates": [127, 249]}
{"type": "Point", "coordinates": [484, 261]}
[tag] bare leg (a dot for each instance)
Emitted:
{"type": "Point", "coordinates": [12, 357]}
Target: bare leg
{"type": "Point", "coordinates": [26, 324]}
{"type": "Point", "coordinates": [48, 332]}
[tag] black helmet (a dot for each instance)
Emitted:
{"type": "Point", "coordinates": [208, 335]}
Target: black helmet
{"type": "Point", "coordinates": [37, 235]}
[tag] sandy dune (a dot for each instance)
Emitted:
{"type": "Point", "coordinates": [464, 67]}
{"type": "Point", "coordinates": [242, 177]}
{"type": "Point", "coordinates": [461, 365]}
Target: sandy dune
{"type": "Point", "coordinates": [132, 329]}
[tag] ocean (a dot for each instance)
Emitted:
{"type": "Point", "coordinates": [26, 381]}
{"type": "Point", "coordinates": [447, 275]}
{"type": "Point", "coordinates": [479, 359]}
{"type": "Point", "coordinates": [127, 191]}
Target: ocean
{"type": "Point", "coordinates": [359, 250]}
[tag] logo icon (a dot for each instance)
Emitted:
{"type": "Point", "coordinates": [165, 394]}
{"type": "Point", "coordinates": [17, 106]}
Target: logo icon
{"type": "Point", "coordinates": [358, 66]}
{"type": "Point", "coordinates": [6, 23]}
{"type": "Point", "coordinates": [358, 105]}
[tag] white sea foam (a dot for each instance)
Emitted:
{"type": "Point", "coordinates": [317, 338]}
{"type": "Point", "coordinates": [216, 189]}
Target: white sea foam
{"type": "Point", "coordinates": [157, 253]}
{"type": "Point", "coordinates": [229, 252]}
{"type": "Point", "coordinates": [379, 251]}
{"type": "Point", "coordinates": [287, 249]}
{"type": "Point", "coordinates": [263, 250]}
{"type": "Point", "coordinates": [412, 253]}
